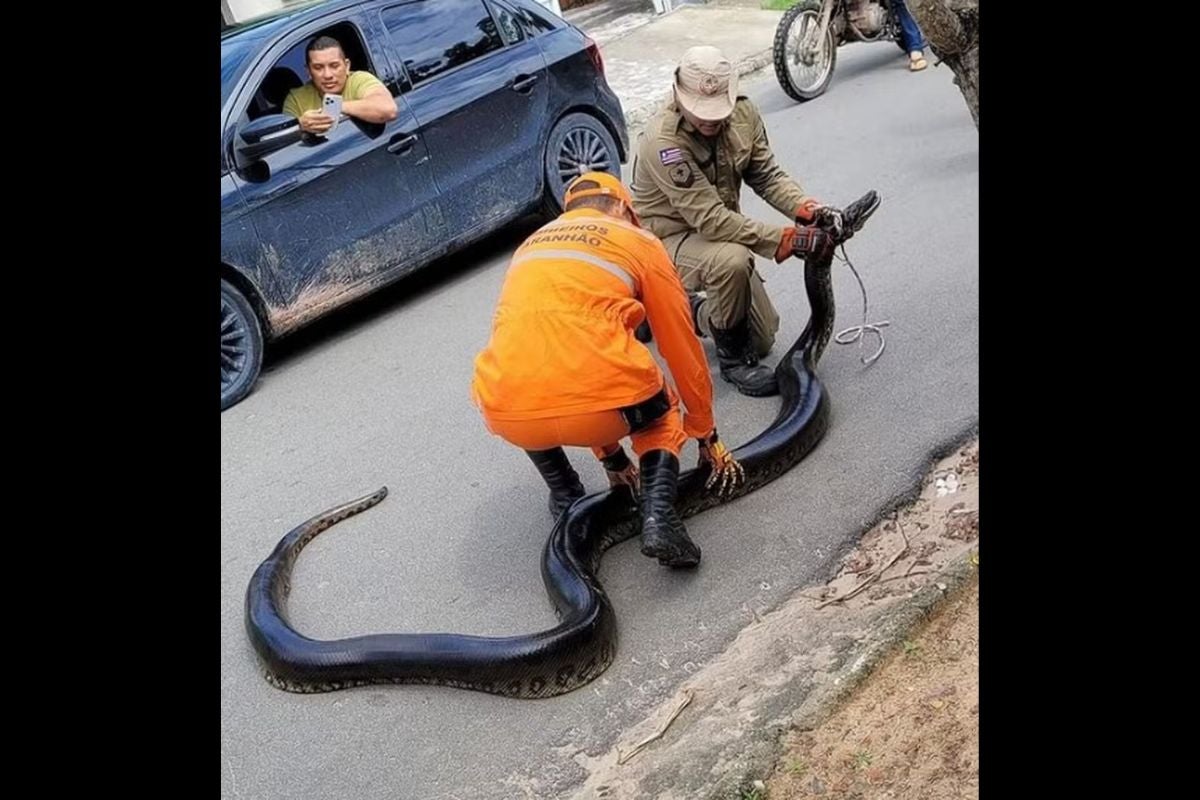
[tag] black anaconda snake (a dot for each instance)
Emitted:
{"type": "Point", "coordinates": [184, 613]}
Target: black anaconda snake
{"type": "Point", "coordinates": [584, 643]}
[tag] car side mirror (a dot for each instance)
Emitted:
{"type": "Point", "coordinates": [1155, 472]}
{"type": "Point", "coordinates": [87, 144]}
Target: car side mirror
{"type": "Point", "coordinates": [268, 134]}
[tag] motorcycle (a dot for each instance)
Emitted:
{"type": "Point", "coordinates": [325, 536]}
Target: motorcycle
{"type": "Point", "coordinates": [808, 36]}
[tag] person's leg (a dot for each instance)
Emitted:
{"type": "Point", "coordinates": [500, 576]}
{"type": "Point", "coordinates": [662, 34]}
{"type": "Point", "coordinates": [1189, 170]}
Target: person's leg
{"type": "Point", "coordinates": [617, 466]}
{"type": "Point", "coordinates": [735, 310]}
{"type": "Point", "coordinates": [543, 441]}
{"type": "Point", "coordinates": [910, 36]}
{"type": "Point", "coordinates": [764, 319]}
{"type": "Point", "coordinates": [664, 536]}
{"type": "Point", "coordinates": [722, 271]}
{"type": "Point", "coordinates": [562, 479]}
{"type": "Point", "coordinates": [663, 433]}
{"type": "Point", "coordinates": [657, 444]}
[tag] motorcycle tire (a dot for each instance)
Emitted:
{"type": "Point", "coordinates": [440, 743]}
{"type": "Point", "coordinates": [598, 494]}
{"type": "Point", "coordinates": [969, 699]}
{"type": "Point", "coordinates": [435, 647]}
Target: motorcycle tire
{"type": "Point", "coordinates": [797, 87]}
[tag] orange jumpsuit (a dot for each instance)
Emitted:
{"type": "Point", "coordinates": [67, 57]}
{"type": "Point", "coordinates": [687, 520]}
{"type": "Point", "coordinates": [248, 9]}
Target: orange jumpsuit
{"type": "Point", "coordinates": [563, 359]}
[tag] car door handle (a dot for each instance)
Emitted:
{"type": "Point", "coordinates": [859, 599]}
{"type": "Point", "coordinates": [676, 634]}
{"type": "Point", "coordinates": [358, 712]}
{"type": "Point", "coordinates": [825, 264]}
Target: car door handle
{"type": "Point", "coordinates": [523, 85]}
{"type": "Point", "coordinates": [401, 144]}
{"type": "Point", "coordinates": [286, 186]}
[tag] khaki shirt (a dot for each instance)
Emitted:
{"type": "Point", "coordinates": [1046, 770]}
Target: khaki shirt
{"type": "Point", "coordinates": [684, 181]}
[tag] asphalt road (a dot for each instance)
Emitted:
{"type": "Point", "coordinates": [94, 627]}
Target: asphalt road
{"type": "Point", "coordinates": [379, 395]}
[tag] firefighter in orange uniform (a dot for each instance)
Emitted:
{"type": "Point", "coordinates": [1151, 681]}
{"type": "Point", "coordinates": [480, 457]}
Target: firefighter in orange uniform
{"type": "Point", "coordinates": [564, 368]}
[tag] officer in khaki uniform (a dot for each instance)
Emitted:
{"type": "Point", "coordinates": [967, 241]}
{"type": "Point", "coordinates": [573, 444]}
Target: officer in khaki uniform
{"type": "Point", "coordinates": [688, 170]}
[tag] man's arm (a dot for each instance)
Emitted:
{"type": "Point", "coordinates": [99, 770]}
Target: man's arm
{"type": "Point", "coordinates": [670, 318]}
{"type": "Point", "coordinates": [372, 103]}
{"type": "Point", "coordinates": [770, 182]}
{"type": "Point", "coordinates": [313, 121]}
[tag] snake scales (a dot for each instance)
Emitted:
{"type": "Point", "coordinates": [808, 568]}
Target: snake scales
{"type": "Point", "coordinates": [583, 644]}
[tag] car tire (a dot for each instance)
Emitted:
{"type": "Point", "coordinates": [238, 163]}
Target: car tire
{"type": "Point", "coordinates": [578, 143]}
{"type": "Point", "coordinates": [241, 345]}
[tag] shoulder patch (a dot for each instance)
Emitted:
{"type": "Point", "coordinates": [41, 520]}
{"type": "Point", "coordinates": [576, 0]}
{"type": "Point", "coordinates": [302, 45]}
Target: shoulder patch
{"type": "Point", "coordinates": [681, 175]}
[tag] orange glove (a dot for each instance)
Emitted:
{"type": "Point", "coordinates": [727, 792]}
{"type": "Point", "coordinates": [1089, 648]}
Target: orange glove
{"type": "Point", "coordinates": [727, 474]}
{"type": "Point", "coordinates": [803, 242]}
{"type": "Point", "coordinates": [807, 210]}
{"type": "Point", "coordinates": [785, 245]}
{"type": "Point", "coordinates": [811, 241]}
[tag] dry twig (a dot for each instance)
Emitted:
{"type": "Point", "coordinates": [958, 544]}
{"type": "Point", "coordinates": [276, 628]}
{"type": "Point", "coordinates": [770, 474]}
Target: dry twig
{"type": "Point", "coordinates": [688, 694]}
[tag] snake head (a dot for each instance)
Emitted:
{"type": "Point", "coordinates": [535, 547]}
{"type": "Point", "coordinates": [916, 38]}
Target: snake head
{"type": "Point", "coordinates": [855, 215]}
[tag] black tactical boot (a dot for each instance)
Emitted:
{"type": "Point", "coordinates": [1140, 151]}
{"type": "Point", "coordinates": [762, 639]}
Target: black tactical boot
{"type": "Point", "coordinates": [560, 476]}
{"type": "Point", "coordinates": [663, 534]}
{"type": "Point", "coordinates": [739, 364]}
{"type": "Point", "coordinates": [695, 301]}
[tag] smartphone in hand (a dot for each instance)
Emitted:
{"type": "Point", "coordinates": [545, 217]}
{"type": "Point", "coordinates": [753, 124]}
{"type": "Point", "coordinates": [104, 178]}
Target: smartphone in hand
{"type": "Point", "coordinates": [331, 104]}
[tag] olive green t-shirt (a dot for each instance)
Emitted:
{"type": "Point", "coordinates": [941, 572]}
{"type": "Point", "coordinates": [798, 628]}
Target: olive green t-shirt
{"type": "Point", "coordinates": [308, 97]}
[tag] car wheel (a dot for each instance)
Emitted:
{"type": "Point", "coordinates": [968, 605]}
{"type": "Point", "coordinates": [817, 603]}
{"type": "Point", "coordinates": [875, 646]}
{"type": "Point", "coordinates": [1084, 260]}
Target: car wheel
{"type": "Point", "coordinates": [241, 345]}
{"type": "Point", "coordinates": [579, 143]}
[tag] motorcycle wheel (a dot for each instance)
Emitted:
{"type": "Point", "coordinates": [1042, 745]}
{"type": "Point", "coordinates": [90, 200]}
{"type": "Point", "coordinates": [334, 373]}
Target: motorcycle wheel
{"type": "Point", "coordinates": [803, 81]}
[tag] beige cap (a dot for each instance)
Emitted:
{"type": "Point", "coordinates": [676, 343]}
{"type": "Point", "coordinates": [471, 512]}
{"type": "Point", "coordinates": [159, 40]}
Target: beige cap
{"type": "Point", "coordinates": [705, 83]}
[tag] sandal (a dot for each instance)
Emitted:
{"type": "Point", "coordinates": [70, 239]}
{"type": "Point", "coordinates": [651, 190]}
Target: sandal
{"type": "Point", "coordinates": [917, 62]}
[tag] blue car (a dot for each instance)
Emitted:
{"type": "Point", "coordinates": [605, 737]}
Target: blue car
{"type": "Point", "coordinates": [499, 104]}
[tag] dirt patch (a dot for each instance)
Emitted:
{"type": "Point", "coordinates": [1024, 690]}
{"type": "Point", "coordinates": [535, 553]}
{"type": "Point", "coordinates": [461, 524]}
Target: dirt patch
{"type": "Point", "coordinates": [909, 729]}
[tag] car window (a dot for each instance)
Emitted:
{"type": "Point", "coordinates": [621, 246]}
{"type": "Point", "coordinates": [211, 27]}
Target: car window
{"type": "Point", "coordinates": [433, 36]}
{"type": "Point", "coordinates": [291, 70]}
{"type": "Point", "coordinates": [235, 55]}
{"type": "Point", "coordinates": [285, 74]}
{"type": "Point", "coordinates": [535, 22]}
{"type": "Point", "coordinates": [506, 21]}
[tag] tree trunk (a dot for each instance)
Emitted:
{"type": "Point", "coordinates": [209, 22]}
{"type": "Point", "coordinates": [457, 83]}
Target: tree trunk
{"type": "Point", "coordinates": [952, 29]}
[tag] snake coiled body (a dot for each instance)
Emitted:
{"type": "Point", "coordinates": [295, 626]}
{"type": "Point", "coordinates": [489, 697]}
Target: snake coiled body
{"type": "Point", "coordinates": [584, 643]}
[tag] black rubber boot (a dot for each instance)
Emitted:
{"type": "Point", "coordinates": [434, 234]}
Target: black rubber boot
{"type": "Point", "coordinates": [695, 300]}
{"type": "Point", "coordinates": [739, 364]}
{"type": "Point", "coordinates": [663, 534]}
{"type": "Point", "coordinates": [560, 476]}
